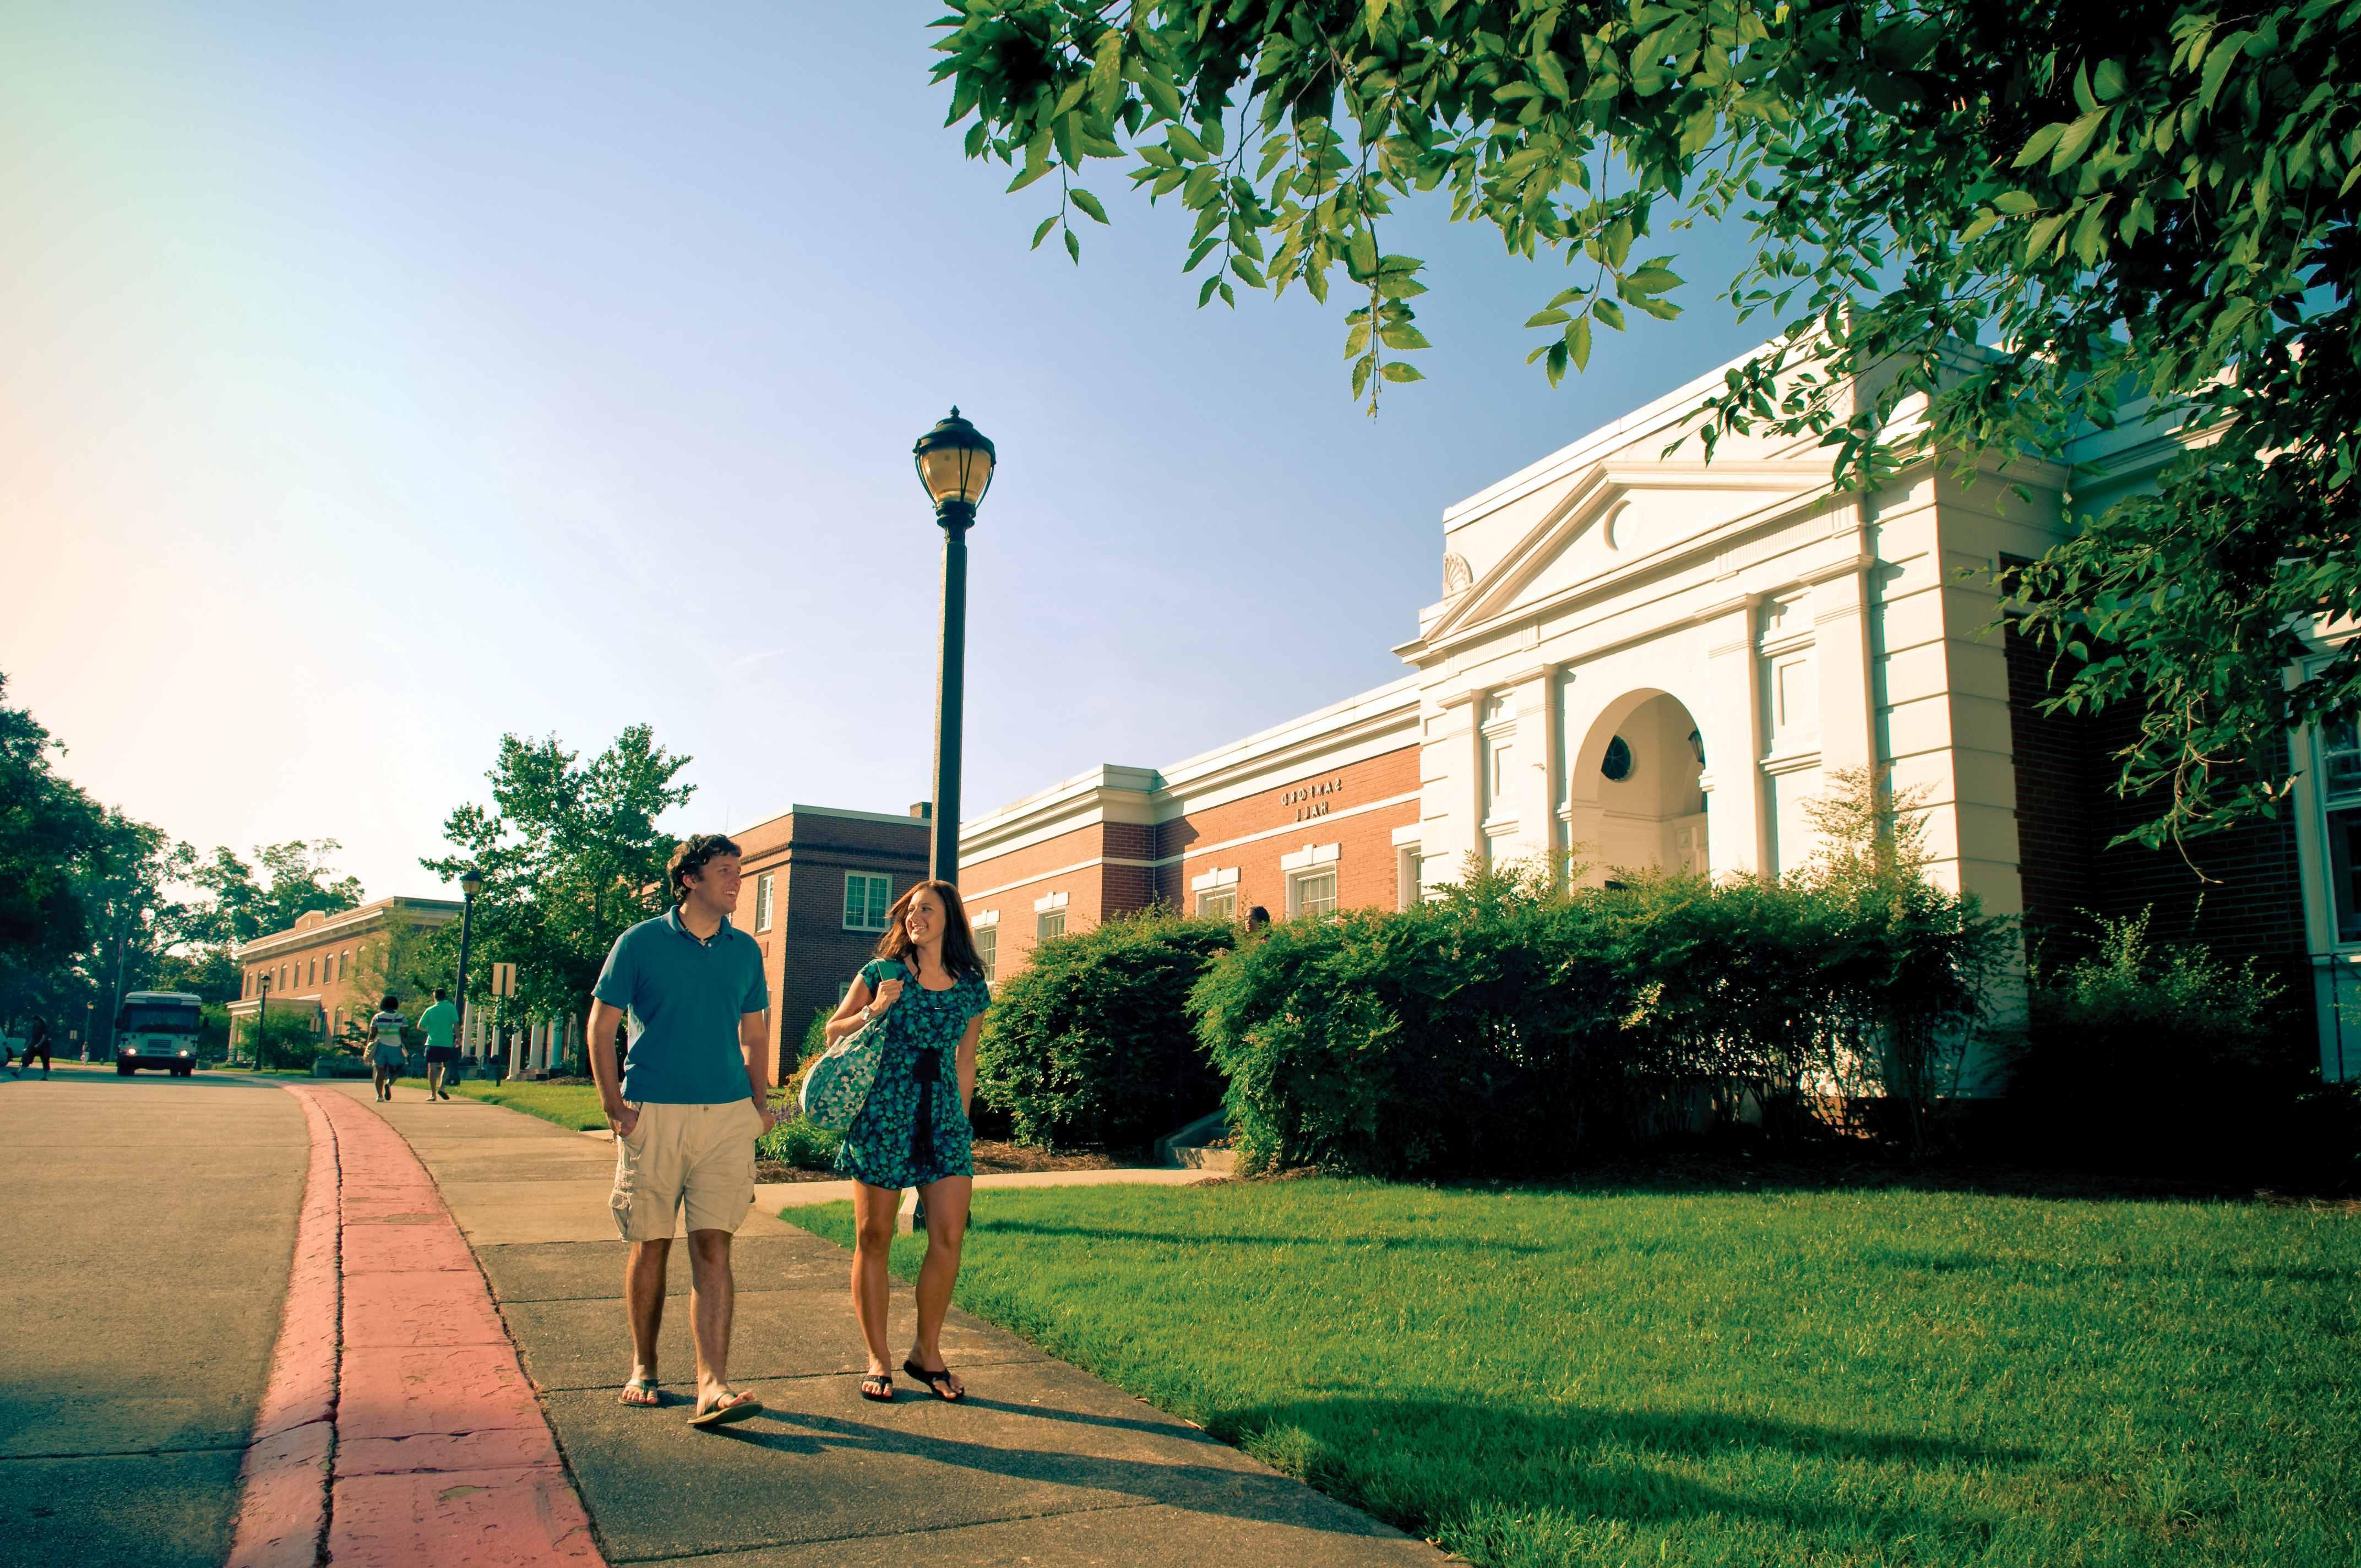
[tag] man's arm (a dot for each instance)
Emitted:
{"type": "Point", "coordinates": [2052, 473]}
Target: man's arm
{"type": "Point", "coordinates": [606, 1065]}
{"type": "Point", "coordinates": [753, 1043]}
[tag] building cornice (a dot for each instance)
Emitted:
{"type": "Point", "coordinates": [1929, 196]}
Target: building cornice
{"type": "Point", "coordinates": [350, 922]}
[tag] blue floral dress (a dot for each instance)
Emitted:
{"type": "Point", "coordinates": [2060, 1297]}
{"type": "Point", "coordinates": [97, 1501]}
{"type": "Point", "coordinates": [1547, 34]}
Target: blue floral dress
{"type": "Point", "coordinates": [912, 1130]}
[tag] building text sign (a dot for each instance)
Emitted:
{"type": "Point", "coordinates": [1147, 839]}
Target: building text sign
{"type": "Point", "coordinates": [1311, 800]}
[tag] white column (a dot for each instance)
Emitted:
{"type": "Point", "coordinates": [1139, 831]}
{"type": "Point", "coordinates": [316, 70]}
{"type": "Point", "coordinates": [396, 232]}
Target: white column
{"type": "Point", "coordinates": [1527, 695]}
{"type": "Point", "coordinates": [1736, 831]}
{"type": "Point", "coordinates": [1847, 694]}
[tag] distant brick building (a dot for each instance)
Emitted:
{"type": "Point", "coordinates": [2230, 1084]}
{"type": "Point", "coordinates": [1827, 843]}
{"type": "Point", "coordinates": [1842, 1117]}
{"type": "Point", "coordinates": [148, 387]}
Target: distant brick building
{"type": "Point", "coordinates": [324, 966]}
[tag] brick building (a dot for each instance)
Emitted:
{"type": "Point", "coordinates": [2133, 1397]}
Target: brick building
{"type": "Point", "coordinates": [1645, 661]}
{"type": "Point", "coordinates": [327, 966]}
{"type": "Point", "coordinates": [818, 883]}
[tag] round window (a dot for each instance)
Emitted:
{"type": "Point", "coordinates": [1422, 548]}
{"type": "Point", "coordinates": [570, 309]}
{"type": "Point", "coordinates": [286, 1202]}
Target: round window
{"type": "Point", "coordinates": [1617, 764]}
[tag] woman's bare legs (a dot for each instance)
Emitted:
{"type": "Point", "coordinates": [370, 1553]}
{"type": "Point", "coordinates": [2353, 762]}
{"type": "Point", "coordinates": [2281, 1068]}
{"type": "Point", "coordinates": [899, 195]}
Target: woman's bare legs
{"type": "Point", "coordinates": [947, 1205]}
{"type": "Point", "coordinates": [873, 1235]}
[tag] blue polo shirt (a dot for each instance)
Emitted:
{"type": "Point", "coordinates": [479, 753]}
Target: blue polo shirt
{"type": "Point", "coordinates": [684, 996]}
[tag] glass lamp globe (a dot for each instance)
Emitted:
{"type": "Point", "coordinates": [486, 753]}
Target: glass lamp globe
{"type": "Point", "coordinates": [954, 461]}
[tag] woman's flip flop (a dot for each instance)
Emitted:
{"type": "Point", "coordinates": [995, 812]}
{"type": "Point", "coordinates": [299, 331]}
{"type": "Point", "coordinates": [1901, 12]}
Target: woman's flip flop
{"type": "Point", "coordinates": [884, 1384]}
{"type": "Point", "coordinates": [935, 1380]}
{"type": "Point", "coordinates": [733, 1407]}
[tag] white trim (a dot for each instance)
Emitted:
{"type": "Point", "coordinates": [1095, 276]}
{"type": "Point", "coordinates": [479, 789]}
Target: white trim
{"type": "Point", "coordinates": [1056, 872]}
{"type": "Point", "coordinates": [1409, 835]}
{"type": "Point", "coordinates": [989, 917]}
{"type": "Point", "coordinates": [1050, 901]}
{"type": "Point", "coordinates": [844, 901]}
{"type": "Point", "coordinates": [1308, 857]}
{"type": "Point", "coordinates": [1220, 876]}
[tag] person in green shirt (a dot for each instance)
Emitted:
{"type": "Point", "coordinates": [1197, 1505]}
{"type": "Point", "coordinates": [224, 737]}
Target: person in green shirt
{"type": "Point", "coordinates": [439, 1022]}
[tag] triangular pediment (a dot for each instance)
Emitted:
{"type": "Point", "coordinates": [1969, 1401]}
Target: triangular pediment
{"type": "Point", "coordinates": [1614, 516]}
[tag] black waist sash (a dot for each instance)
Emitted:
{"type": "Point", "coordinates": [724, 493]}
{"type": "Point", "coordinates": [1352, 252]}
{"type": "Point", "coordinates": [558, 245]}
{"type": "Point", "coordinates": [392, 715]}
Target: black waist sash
{"type": "Point", "coordinates": [929, 1070]}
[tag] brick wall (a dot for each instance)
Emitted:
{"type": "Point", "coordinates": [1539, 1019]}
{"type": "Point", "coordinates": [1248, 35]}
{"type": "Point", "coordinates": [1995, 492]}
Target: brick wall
{"type": "Point", "coordinates": [1366, 862]}
{"type": "Point", "coordinates": [808, 953]}
{"type": "Point", "coordinates": [2238, 892]}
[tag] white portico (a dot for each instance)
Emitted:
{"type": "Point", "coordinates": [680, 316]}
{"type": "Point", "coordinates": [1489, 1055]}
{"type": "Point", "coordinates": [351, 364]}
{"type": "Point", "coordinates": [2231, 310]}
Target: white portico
{"type": "Point", "coordinates": [1649, 659]}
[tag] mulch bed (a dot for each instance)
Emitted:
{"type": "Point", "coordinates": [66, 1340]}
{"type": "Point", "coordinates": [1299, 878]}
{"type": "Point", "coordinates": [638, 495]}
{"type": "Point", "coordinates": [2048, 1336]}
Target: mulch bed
{"type": "Point", "coordinates": [992, 1158]}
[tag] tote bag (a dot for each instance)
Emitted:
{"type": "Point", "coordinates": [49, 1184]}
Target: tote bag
{"type": "Point", "coordinates": [838, 1085]}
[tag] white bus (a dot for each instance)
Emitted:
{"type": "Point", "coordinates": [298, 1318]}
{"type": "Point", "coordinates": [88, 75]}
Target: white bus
{"type": "Point", "coordinates": [159, 1029]}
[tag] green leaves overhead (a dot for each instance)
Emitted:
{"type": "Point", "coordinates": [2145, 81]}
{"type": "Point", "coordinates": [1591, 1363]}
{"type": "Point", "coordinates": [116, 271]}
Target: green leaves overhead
{"type": "Point", "coordinates": [2154, 201]}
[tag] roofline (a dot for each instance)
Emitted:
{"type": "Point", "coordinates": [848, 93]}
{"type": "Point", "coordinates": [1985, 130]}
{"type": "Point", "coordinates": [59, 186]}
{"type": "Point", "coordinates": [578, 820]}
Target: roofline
{"type": "Point", "coordinates": [304, 936]}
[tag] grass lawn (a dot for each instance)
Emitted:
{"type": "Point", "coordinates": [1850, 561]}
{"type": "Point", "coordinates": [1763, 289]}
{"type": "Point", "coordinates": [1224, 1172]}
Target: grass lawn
{"type": "Point", "coordinates": [1735, 1378]}
{"type": "Point", "coordinates": [574, 1105]}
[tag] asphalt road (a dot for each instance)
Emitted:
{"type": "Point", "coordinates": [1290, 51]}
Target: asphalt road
{"type": "Point", "coordinates": [147, 1223]}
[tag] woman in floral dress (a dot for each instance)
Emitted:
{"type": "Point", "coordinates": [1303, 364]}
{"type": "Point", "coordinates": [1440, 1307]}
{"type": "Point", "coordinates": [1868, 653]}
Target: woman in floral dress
{"type": "Point", "coordinates": [926, 986]}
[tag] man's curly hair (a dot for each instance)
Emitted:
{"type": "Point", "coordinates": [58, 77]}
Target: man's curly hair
{"type": "Point", "coordinates": [690, 860]}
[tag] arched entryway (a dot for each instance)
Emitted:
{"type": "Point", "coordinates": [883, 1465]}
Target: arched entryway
{"type": "Point", "coordinates": [1633, 797]}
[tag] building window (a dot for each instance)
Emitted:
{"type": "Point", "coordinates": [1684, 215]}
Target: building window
{"type": "Point", "coordinates": [1218, 902]}
{"type": "Point", "coordinates": [867, 897]}
{"type": "Point", "coordinates": [762, 902]}
{"type": "Point", "coordinates": [2339, 788]}
{"type": "Point", "coordinates": [1048, 924]}
{"type": "Point", "coordinates": [987, 950]}
{"type": "Point", "coordinates": [1407, 874]}
{"type": "Point", "coordinates": [1312, 893]}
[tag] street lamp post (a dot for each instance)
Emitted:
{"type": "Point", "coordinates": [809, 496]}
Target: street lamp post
{"type": "Point", "coordinates": [261, 1011]}
{"type": "Point", "coordinates": [955, 463]}
{"type": "Point", "coordinates": [471, 883]}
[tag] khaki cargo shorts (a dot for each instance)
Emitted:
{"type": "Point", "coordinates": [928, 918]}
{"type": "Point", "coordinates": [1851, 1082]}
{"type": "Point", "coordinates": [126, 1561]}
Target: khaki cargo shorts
{"type": "Point", "coordinates": [700, 1156]}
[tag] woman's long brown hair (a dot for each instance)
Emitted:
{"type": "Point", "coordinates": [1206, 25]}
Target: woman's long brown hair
{"type": "Point", "coordinates": [959, 941]}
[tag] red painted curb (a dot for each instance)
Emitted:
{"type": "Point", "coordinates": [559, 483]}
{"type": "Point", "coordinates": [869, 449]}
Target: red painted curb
{"type": "Point", "coordinates": [283, 1510]}
{"type": "Point", "coordinates": [398, 1427]}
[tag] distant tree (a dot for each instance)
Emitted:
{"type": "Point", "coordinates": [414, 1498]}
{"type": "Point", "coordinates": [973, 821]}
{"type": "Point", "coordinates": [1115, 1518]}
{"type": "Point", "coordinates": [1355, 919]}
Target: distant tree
{"type": "Point", "coordinates": [51, 837]}
{"type": "Point", "coordinates": [2155, 199]}
{"type": "Point", "coordinates": [240, 906]}
{"type": "Point", "coordinates": [570, 854]}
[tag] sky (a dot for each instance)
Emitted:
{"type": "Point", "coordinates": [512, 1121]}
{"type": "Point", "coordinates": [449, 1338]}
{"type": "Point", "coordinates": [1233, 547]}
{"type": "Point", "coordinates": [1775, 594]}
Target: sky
{"type": "Point", "coordinates": [376, 381]}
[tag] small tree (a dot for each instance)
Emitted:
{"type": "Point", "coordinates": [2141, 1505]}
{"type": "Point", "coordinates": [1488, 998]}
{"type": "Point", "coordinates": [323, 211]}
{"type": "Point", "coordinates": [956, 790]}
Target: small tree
{"type": "Point", "coordinates": [1916, 963]}
{"type": "Point", "coordinates": [1090, 1043]}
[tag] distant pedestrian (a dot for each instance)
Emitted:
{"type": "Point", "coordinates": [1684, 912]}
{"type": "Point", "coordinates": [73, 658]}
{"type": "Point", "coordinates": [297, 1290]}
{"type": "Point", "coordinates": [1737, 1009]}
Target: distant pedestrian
{"type": "Point", "coordinates": [1257, 921]}
{"type": "Point", "coordinates": [36, 1044]}
{"type": "Point", "coordinates": [914, 1132]}
{"type": "Point", "coordinates": [440, 1021]}
{"type": "Point", "coordinates": [687, 1105]}
{"type": "Point", "coordinates": [386, 1057]}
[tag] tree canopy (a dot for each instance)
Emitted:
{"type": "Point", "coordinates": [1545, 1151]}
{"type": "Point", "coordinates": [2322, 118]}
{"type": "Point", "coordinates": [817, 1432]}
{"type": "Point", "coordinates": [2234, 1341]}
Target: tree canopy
{"type": "Point", "coordinates": [566, 852]}
{"type": "Point", "coordinates": [2148, 203]}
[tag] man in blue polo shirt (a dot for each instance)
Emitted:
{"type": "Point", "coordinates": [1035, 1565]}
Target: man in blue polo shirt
{"type": "Point", "coordinates": [686, 1104]}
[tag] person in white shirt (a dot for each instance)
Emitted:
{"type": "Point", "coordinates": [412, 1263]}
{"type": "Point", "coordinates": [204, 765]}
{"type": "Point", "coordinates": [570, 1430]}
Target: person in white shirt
{"type": "Point", "coordinates": [387, 1055]}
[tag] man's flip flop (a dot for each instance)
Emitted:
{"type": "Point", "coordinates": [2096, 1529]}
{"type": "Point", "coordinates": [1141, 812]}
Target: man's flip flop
{"type": "Point", "coordinates": [934, 1380]}
{"type": "Point", "coordinates": [645, 1384]}
{"type": "Point", "coordinates": [734, 1407]}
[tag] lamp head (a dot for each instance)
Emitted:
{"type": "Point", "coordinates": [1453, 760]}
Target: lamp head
{"type": "Point", "coordinates": [955, 462]}
{"type": "Point", "coordinates": [471, 882]}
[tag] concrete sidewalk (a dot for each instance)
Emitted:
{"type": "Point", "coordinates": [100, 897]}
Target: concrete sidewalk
{"type": "Point", "coordinates": [1040, 1465]}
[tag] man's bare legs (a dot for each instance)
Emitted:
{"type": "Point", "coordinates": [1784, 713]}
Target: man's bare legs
{"type": "Point", "coordinates": [872, 1238]}
{"type": "Point", "coordinates": [945, 1205]}
{"type": "Point", "coordinates": [713, 1299]}
{"type": "Point", "coordinates": [435, 1071]}
{"type": "Point", "coordinates": [643, 1297]}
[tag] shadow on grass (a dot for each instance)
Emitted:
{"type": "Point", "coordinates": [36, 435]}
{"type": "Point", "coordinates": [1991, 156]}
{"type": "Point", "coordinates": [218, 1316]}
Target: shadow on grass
{"type": "Point", "coordinates": [1959, 1261]}
{"type": "Point", "coordinates": [1202, 1238]}
{"type": "Point", "coordinates": [1421, 1465]}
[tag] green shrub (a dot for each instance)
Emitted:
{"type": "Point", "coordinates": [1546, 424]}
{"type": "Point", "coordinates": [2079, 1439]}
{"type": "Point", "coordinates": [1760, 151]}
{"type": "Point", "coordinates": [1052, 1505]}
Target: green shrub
{"type": "Point", "coordinates": [289, 1042]}
{"type": "Point", "coordinates": [2154, 1055]}
{"type": "Point", "coordinates": [1090, 1043]}
{"type": "Point", "coordinates": [1515, 1027]}
{"type": "Point", "coordinates": [796, 1141]}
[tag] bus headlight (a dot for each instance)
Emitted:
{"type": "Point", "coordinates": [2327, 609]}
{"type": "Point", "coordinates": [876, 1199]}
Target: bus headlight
{"type": "Point", "coordinates": [131, 1050]}
{"type": "Point", "coordinates": [184, 1053]}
